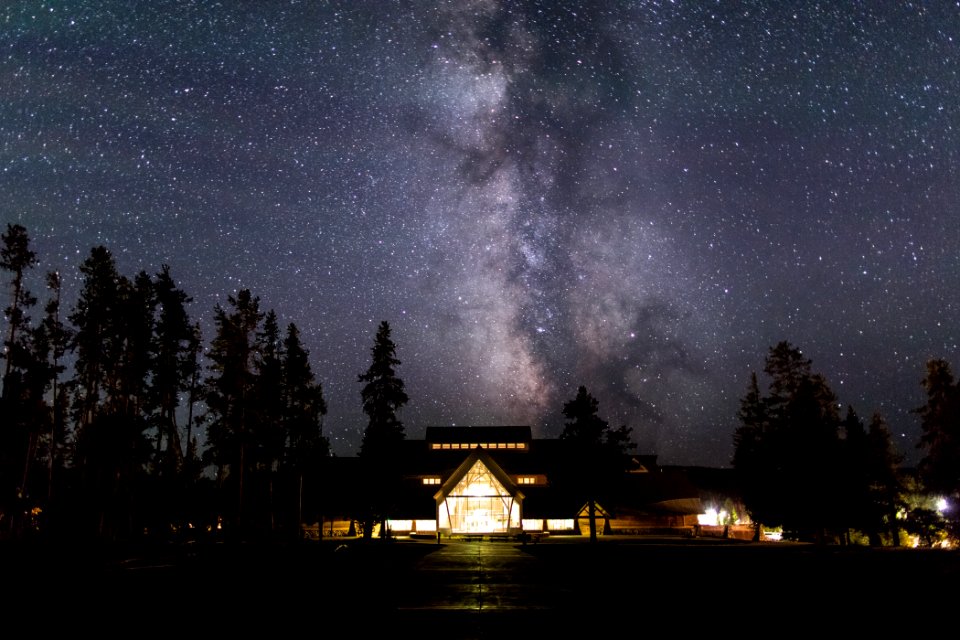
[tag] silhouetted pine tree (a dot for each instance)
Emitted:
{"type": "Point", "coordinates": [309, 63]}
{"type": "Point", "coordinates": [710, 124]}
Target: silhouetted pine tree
{"type": "Point", "coordinates": [16, 257]}
{"type": "Point", "coordinates": [172, 368]}
{"type": "Point", "coordinates": [18, 435]}
{"type": "Point", "coordinates": [307, 448]}
{"type": "Point", "coordinates": [885, 481]}
{"type": "Point", "coordinates": [57, 337]}
{"type": "Point", "coordinates": [231, 398]}
{"type": "Point", "coordinates": [170, 350]}
{"type": "Point", "coordinates": [855, 491]}
{"type": "Point", "coordinates": [114, 324]}
{"type": "Point", "coordinates": [383, 396]}
{"type": "Point", "coordinates": [268, 431]}
{"type": "Point", "coordinates": [788, 454]}
{"type": "Point", "coordinates": [594, 453]}
{"type": "Point", "coordinates": [752, 459]}
{"type": "Point", "coordinates": [940, 420]}
{"type": "Point", "coordinates": [192, 371]}
{"type": "Point", "coordinates": [94, 318]}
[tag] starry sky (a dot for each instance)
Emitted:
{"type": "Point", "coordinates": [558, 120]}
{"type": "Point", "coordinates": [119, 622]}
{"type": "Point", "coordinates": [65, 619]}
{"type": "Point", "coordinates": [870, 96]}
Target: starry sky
{"type": "Point", "coordinates": [641, 197]}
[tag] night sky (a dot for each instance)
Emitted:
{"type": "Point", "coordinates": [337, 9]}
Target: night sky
{"type": "Point", "coordinates": [639, 197]}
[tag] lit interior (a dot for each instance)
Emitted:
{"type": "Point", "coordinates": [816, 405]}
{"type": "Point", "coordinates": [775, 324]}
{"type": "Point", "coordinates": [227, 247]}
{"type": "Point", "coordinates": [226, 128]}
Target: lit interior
{"type": "Point", "coordinates": [424, 526]}
{"type": "Point", "coordinates": [474, 445]}
{"type": "Point", "coordinates": [479, 504]}
{"type": "Point", "coordinates": [533, 524]}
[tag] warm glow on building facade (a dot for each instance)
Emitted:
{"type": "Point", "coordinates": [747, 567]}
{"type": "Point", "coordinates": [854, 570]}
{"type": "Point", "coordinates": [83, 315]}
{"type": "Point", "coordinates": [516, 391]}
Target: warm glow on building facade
{"type": "Point", "coordinates": [500, 481]}
{"type": "Point", "coordinates": [479, 503]}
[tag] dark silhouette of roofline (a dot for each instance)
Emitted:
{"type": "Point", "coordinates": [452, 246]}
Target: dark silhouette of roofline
{"type": "Point", "coordinates": [478, 434]}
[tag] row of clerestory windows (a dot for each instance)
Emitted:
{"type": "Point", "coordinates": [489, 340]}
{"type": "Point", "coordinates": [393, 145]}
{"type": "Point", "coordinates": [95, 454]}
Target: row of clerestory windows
{"type": "Point", "coordinates": [474, 445]}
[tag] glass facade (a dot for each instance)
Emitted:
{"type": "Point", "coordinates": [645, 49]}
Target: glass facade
{"type": "Point", "coordinates": [479, 504]}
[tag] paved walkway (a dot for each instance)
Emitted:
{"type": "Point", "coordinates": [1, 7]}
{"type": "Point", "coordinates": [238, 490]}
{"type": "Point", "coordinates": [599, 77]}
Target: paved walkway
{"type": "Point", "coordinates": [479, 591]}
{"type": "Point", "coordinates": [479, 576]}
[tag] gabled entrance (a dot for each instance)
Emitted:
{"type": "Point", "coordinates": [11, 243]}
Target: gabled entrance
{"type": "Point", "coordinates": [478, 498]}
{"type": "Point", "coordinates": [601, 517]}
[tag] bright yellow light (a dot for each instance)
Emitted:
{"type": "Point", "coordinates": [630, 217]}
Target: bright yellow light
{"type": "Point", "coordinates": [399, 525]}
{"type": "Point", "coordinates": [426, 526]}
{"type": "Point", "coordinates": [480, 504]}
{"type": "Point", "coordinates": [709, 518]}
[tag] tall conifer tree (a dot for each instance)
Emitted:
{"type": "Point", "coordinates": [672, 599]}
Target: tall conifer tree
{"type": "Point", "coordinates": [19, 425]}
{"type": "Point", "coordinates": [383, 396]}
{"type": "Point", "coordinates": [231, 399]}
{"type": "Point", "coordinates": [595, 453]}
{"type": "Point", "coordinates": [307, 448]}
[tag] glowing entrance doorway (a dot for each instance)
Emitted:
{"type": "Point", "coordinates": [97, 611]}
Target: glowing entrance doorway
{"type": "Point", "coordinates": [479, 503]}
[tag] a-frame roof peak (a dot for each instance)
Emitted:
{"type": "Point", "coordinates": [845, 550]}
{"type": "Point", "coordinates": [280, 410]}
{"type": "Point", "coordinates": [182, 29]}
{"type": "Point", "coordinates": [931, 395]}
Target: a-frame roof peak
{"type": "Point", "coordinates": [478, 454]}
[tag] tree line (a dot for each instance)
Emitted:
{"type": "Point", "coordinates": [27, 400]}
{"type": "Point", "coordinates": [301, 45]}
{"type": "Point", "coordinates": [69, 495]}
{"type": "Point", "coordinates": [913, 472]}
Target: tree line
{"type": "Point", "coordinates": [823, 474]}
{"type": "Point", "coordinates": [106, 447]}
{"type": "Point", "coordinates": [110, 450]}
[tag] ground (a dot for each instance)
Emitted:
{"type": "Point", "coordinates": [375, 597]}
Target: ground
{"type": "Point", "coordinates": [483, 589]}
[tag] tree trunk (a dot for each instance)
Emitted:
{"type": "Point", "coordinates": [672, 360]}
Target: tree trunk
{"type": "Point", "coordinates": [894, 530]}
{"type": "Point", "coordinates": [300, 513]}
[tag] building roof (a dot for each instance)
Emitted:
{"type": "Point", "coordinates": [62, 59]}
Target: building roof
{"type": "Point", "coordinates": [646, 487]}
{"type": "Point", "coordinates": [478, 434]}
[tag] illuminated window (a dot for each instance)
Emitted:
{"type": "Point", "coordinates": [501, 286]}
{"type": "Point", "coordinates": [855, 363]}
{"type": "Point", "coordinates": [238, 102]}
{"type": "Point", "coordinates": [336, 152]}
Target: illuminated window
{"type": "Point", "coordinates": [532, 524]}
{"type": "Point", "coordinates": [526, 480]}
{"type": "Point", "coordinates": [559, 524]}
{"type": "Point", "coordinates": [425, 526]}
{"type": "Point", "coordinates": [399, 525]}
{"type": "Point", "coordinates": [473, 445]}
{"type": "Point", "coordinates": [431, 481]}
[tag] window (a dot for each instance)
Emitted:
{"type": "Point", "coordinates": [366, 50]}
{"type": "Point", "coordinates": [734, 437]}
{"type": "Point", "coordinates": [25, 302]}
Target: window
{"type": "Point", "coordinates": [431, 480]}
{"type": "Point", "coordinates": [425, 526]}
{"type": "Point", "coordinates": [479, 504]}
{"type": "Point", "coordinates": [473, 445]}
{"type": "Point", "coordinates": [560, 524]}
{"type": "Point", "coordinates": [526, 480]}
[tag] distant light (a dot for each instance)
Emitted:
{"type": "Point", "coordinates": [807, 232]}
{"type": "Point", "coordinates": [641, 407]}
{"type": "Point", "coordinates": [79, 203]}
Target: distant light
{"type": "Point", "coordinates": [942, 505]}
{"type": "Point", "coordinates": [708, 518]}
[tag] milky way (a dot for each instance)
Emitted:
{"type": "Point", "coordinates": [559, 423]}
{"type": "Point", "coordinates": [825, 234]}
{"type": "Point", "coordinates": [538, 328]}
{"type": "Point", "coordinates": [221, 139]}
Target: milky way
{"type": "Point", "coordinates": [639, 197]}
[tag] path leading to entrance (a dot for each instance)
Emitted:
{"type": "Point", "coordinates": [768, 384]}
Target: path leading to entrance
{"type": "Point", "coordinates": [479, 576]}
{"type": "Point", "coordinates": [478, 590]}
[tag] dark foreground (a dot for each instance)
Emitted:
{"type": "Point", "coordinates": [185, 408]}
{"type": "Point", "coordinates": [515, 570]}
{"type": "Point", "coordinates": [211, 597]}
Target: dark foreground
{"type": "Point", "coordinates": [626, 587]}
